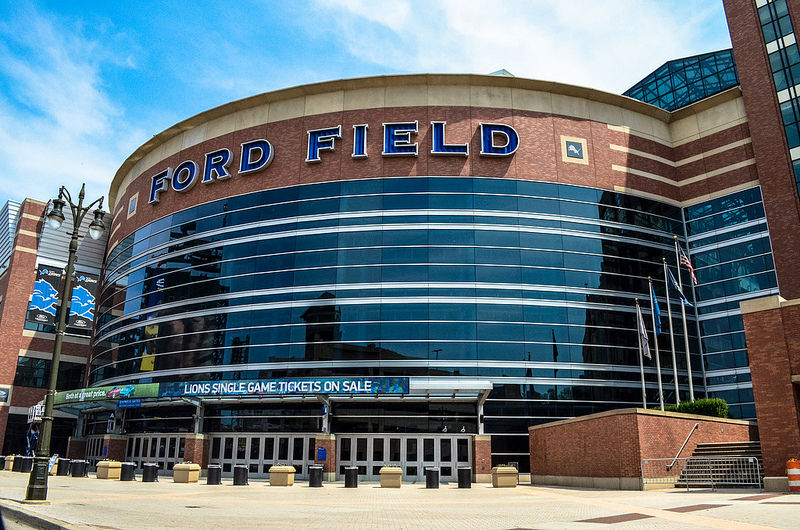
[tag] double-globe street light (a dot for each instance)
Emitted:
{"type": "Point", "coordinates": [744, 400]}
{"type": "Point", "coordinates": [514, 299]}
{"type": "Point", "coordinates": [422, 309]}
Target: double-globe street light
{"type": "Point", "coordinates": [37, 484]}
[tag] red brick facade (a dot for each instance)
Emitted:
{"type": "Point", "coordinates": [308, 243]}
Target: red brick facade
{"type": "Point", "coordinates": [617, 158]}
{"type": "Point", "coordinates": [197, 449]}
{"type": "Point", "coordinates": [612, 444]}
{"type": "Point", "coordinates": [769, 142]}
{"type": "Point", "coordinates": [16, 286]}
{"type": "Point", "coordinates": [773, 345]}
{"type": "Point", "coordinates": [327, 442]}
{"type": "Point", "coordinates": [482, 458]}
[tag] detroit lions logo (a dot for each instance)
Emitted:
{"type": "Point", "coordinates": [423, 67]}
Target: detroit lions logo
{"type": "Point", "coordinates": [574, 150]}
{"type": "Point", "coordinates": [45, 297]}
{"type": "Point", "coordinates": [82, 303]}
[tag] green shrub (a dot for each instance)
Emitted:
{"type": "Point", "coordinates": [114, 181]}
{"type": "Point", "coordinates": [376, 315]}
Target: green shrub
{"type": "Point", "coordinates": [714, 407]}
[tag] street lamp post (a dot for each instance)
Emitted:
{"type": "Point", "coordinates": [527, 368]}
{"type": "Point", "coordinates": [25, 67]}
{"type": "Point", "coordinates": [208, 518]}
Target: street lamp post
{"type": "Point", "coordinates": [37, 484]}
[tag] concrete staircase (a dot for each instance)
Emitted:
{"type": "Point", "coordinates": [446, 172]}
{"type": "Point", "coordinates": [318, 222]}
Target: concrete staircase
{"type": "Point", "coordinates": [723, 465]}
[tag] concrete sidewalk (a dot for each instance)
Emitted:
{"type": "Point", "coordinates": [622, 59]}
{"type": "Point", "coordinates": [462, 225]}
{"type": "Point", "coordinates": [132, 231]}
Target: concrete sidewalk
{"type": "Point", "coordinates": [89, 503]}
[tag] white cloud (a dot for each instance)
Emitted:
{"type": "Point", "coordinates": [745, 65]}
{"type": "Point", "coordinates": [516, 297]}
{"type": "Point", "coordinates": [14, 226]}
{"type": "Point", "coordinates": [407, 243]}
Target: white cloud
{"type": "Point", "coordinates": [607, 45]}
{"type": "Point", "coordinates": [57, 122]}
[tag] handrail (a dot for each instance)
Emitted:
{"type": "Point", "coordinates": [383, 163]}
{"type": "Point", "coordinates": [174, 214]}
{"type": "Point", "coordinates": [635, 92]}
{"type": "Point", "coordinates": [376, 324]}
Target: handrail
{"type": "Point", "coordinates": [696, 425]}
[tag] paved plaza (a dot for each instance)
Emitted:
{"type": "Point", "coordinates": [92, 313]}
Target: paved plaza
{"type": "Point", "coordinates": [89, 503]}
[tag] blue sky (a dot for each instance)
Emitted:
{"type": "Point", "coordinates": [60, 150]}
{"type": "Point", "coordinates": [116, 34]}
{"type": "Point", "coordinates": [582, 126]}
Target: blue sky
{"type": "Point", "coordinates": [83, 84]}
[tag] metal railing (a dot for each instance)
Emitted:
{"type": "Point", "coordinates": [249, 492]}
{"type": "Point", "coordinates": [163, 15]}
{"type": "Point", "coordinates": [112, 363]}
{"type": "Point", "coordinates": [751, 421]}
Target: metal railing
{"type": "Point", "coordinates": [711, 472]}
{"type": "Point", "coordinates": [696, 425]}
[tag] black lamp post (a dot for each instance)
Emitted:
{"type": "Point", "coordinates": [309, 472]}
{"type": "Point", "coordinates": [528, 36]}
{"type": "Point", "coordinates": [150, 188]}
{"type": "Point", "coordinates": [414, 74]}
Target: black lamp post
{"type": "Point", "coordinates": [37, 484]}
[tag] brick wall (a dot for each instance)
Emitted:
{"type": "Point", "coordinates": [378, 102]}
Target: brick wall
{"type": "Point", "coordinates": [328, 442]}
{"type": "Point", "coordinates": [612, 444]}
{"type": "Point", "coordinates": [769, 143]}
{"type": "Point", "coordinates": [771, 327]}
{"type": "Point", "coordinates": [197, 449]}
{"type": "Point", "coordinates": [481, 458]}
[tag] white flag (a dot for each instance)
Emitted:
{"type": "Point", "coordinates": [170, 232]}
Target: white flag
{"type": "Point", "coordinates": [644, 344]}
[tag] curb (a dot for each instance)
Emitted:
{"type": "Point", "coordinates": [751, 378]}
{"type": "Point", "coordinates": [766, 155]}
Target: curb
{"type": "Point", "coordinates": [10, 512]}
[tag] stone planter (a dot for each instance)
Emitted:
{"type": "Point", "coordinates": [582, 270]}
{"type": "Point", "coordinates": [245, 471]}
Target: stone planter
{"type": "Point", "coordinates": [391, 477]}
{"type": "Point", "coordinates": [504, 477]}
{"type": "Point", "coordinates": [186, 473]}
{"type": "Point", "coordinates": [109, 469]}
{"type": "Point", "coordinates": [281, 475]}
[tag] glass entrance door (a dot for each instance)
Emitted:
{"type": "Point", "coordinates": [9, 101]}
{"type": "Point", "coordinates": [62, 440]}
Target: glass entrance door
{"type": "Point", "coordinates": [412, 453]}
{"type": "Point", "coordinates": [162, 449]}
{"type": "Point", "coordinates": [259, 452]}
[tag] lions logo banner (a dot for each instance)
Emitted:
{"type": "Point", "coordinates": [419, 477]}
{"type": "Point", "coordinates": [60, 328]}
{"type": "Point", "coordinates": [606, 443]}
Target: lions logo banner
{"type": "Point", "coordinates": [81, 309]}
{"type": "Point", "coordinates": [44, 301]}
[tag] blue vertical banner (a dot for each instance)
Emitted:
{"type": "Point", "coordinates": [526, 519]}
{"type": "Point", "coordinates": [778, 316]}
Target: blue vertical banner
{"type": "Point", "coordinates": [656, 311]}
{"type": "Point", "coordinates": [44, 302]}
{"type": "Point", "coordinates": [81, 309]}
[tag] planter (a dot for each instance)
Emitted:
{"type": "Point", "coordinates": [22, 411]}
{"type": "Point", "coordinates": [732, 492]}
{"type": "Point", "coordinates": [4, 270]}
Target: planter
{"type": "Point", "coordinates": [281, 475]}
{"type": "Point", "coordinates": [391, 477]}
{"type": "Point", "coordinates": [186, 473]}
{"type": "Point", "coordinates": [504, 477]}
{"type": "Point", "coordinates": [109, 469]}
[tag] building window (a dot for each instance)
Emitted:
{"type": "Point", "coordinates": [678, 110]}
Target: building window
{"type": "Point", "coordinates": [35, 373]}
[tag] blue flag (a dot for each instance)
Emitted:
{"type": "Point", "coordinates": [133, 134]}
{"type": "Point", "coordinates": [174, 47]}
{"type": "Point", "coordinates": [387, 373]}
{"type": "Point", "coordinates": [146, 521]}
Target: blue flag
{"type": "Point", "coordinates": [675, 287]}
{"type": "Point", "coordinates": [656, 311]}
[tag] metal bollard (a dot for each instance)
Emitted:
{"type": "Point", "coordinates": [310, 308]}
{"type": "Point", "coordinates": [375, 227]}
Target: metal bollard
{"type": "Point", "coordinates": [464, 478]}
{"type": "Point", "coordinates": [351, 477]}
{"type": "Point", "coordinates": [78, 468]}
{"type": "Point", "coordinates": [27, 464]}
{"type": "Point", "coordinates": [149, 472]}
{"type": "Point", "coordinates": [63, 467]}
{"type": "Point", "coordinates": [315, 476]}
{"type": "Point", "coordinates": [240, 475]}
{"type": "Point", "coordinates": [432, 478]}
{"type": "Point", "coordinates": [127, 472]}
{"type": "Point", "coordinates": [214, 476]}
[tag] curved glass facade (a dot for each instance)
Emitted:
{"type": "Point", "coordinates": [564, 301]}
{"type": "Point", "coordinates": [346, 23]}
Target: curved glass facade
{"type": "Point", "coordinates": [529, 285]}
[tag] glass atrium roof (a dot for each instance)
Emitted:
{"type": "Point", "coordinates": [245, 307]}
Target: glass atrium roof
{"type": "Point", "coordinates": [684, 81]}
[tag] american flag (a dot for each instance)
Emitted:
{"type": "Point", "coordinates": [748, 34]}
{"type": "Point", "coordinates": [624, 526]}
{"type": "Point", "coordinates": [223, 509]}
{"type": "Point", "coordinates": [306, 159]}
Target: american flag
{"type": "Point", "coordinates": [687, 263]}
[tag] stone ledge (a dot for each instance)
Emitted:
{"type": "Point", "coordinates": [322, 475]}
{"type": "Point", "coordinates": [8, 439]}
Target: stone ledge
{"type": "Point", "coordinates": [606, 483]}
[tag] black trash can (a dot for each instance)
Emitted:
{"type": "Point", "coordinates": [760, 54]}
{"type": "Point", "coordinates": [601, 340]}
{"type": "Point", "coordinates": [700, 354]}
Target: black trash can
{"type": "Point", "coordinates": [464, 477]}
{"type": "Point", "coordinates": [315, 476]}
{"type": "Point", "coordinates": [16, 466]}
{"type": "Point", "coordinates": [149, 472]}
{"type": "Point", "coordinates": [432, 478]}
{"type": "Point", "coordinates": [214, 477]}
{"type": "Point", "coordinates": [27, 464]}
{"type": "Point", "coordinates": [78, 468]}
{"type": "Point", "coordinates": [351, 477]}
{"type": "Point", "coordinates": [240, 475]}
{"type": "Point", "coordinates": [128, 471]}
{"type": "Point", "coordinates": [63, 467]}
{"type": "Point", "coordinates": [2, 462]}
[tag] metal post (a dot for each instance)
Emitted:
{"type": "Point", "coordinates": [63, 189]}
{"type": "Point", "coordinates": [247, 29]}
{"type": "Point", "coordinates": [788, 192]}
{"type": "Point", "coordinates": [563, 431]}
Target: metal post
{"type": "Point", "coordinates": [671, 336]}
{"type": "Point", "coordinates": [641, 332]}
{"type": "Point", "coordinates": [655, 343]}
{"type": "Point", "coordinates": [685, 327]}
{"type": "Point", "coordinates": [37, 483]}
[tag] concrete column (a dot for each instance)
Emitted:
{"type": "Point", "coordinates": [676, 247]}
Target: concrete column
{"type": "Point", "coordinates": [482, 457]}
{"type": "Point", "coordinates": [328, 442]}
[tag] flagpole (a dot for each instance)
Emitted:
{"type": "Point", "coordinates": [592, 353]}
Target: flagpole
{"type": "Point", "coordinates": [671, 335]}
{"type": "Point", "coordinates": [685, 326]}
{"type": "Point", "coordinates": [655, 342]}
{"type": "Point", "coordinates": [639, 333]}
